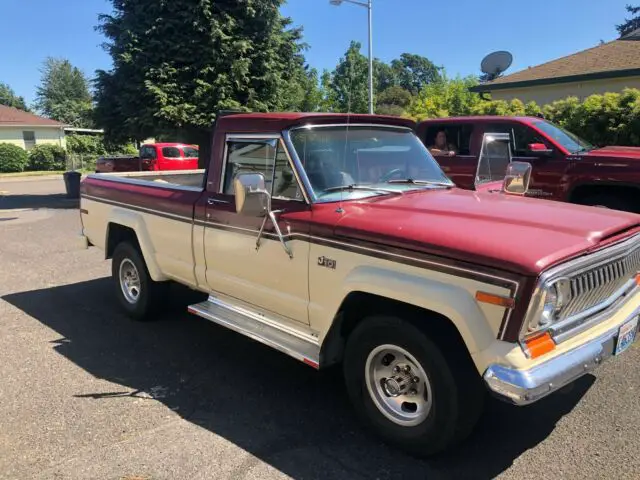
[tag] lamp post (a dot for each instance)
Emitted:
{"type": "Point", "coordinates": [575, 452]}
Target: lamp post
{"type": "Point", "coordinates": [368, 5]}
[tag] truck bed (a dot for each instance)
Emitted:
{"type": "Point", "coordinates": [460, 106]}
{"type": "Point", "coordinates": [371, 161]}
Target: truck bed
{"type": "Point", "coordinates": [183, 178]}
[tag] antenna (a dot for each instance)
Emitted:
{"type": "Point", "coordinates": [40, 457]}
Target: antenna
{"type": "Point", "coordinates": [346, 134]}
{"type": "Point", "coordinates": [494, 64]}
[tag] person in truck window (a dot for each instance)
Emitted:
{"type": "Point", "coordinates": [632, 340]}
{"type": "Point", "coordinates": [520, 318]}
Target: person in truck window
{"type": "Point", "coordinates": [441, 146]}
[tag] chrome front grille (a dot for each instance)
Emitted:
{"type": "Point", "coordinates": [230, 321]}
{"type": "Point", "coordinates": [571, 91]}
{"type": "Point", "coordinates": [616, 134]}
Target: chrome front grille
{"type": "Point", "coordinates": [598, 285]}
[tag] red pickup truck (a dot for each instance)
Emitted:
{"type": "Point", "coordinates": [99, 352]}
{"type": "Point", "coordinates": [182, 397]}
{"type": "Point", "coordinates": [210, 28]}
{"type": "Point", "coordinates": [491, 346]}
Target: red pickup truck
{"type": "Point", "coordinates": [152, 157]}
{"type": "Point", "coordinates": [337, 239]}
{"type": "Point", "coordinates": [564, 167]}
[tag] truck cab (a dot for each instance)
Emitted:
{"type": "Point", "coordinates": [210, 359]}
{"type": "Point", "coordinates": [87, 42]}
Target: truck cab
{"type": "Point", "coordinates": [564, 167]}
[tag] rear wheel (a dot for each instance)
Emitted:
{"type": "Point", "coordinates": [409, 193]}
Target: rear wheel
{"type": "Point", "coordinates": [407, 390]}
{"type": "Point", "coordinates": [140, 296]}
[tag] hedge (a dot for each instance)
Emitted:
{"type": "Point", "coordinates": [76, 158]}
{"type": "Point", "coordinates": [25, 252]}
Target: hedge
{"type": "Point", "coordinates": [12, 158]}
{"type": "Point", "coordinates": [47, 158]}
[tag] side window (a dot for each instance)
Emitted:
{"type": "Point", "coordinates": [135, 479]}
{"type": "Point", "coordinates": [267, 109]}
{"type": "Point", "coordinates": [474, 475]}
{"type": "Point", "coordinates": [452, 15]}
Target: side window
{"type": "Point", "coordinates": [171, 152]}
{"type": "Point", "coordinates": [147, 152]}
{"type": "Point", "coordinates": [456, 138]}
{"type": "Point", "coordinates": [29, 138]}
{"type": "Point", "coordinates": [261, 156]}
{"type": "Point", "coordinates": [249, 156]}
{"type": "Point", "coordinates": [521, 136]}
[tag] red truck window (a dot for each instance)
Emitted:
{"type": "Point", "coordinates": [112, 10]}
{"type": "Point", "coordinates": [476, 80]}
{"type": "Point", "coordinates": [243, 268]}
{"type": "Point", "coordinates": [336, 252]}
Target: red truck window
{"type": "Point", "coordinates": [458, 136]}
{"type": "Point", "coordinates": [521, 136]}
{"type": "Point", "coordinates": [147, 152]}
{"type": "Point", "coordinates": [190, 152]}
{"type": "Point", "coordinates": [171, 152]}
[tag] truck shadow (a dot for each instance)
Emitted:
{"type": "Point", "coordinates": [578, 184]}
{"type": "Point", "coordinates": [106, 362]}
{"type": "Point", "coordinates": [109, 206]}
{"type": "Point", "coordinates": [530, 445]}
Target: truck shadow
{"type": "Point", "coordinates": [37, 201]}
{"type": "Point", "coordinates": [281, 411]}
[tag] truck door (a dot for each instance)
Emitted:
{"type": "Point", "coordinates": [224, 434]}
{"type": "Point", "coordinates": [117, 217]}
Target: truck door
{"type": "Point", "coordinates": [548, 169]}
{"type": "Point", "coordinates": [265, 277]}
{"type": "Point", "coordinates": [460, 166]}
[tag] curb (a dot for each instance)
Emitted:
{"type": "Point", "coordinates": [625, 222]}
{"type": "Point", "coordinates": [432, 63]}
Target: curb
{"type": "Point", "coordinates": [30, 178]}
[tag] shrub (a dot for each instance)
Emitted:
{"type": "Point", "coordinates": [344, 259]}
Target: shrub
{"type": "Point", "coordinates": [47, 158]}
{"type": "Point", "coordinates": [12, 158]}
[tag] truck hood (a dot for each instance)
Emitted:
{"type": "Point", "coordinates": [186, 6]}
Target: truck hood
{"type": "Point", "coordinates": [616, 153]}
{"type": "Point", "coordinates": [516, 234]}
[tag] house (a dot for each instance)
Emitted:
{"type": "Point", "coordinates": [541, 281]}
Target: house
{"type": "Point", "coordinates": [609, 67]}
{"type": "Point", "coordinates": [26, 129]}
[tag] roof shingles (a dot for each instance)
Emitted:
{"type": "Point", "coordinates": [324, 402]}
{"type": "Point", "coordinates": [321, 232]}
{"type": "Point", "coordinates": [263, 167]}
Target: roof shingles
{"type": "Point", "coordinates": [10, 116]}
{"type": "Point", "coordinates": [617, 56]}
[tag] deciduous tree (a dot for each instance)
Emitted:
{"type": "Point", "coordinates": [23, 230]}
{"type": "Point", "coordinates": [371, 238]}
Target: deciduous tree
{"type": "Point", "coordinates": [9, 98]}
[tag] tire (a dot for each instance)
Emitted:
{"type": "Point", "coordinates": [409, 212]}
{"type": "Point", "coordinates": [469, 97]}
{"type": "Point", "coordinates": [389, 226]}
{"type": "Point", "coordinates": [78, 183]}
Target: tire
{"type": "Point", "coordinates": [456, 392]}
{"type": "Point", "coordinates": [144, 298]}
{"type": "Point", "coordinates": [608, 201]}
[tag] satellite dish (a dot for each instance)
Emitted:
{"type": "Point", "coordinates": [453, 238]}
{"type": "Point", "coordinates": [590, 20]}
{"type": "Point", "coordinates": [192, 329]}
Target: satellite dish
{"type": "Point", "coordinates": [495, 63]}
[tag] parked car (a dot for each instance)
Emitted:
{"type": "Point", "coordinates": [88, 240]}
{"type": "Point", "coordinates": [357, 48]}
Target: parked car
{"type": "Point", "coordinates": [566, 167]}
{"type": "Point", "coordinates": [152, 157]}
{"type": "Point", "coordinates": [338, 239]}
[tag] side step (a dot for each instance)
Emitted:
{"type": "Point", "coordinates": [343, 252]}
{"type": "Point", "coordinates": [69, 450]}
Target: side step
{"type": "Point", "coordinates": [253, 327]}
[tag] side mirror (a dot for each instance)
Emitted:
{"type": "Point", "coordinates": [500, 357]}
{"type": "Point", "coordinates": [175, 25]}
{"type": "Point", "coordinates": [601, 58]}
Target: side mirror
{"type": "Point", "coordinates": [252, 198]}
{"type": "Point", "coordinates": [517, 178]}
{"type": "Point", "coordinates": [539, 150]}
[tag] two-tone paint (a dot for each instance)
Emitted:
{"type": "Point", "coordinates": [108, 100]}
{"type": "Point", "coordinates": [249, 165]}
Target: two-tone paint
{"type": "Point", "coordinates": [432, 249]}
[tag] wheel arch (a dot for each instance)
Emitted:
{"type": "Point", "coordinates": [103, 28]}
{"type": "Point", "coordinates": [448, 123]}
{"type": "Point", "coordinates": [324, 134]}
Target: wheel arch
{"type": "Point", "coordinates": [626, 191]}
{"type": "Point", "coordinates": [129, 226]}
{"type": "Point", "coordinates": [439, 309]}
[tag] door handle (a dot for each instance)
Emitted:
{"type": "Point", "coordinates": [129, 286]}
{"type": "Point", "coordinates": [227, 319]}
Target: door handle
{"type": "Point", "coordinates": [214, 201]}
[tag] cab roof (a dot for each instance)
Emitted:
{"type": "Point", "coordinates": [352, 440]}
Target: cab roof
{"type": "Point", "coordinates": [276, 122]}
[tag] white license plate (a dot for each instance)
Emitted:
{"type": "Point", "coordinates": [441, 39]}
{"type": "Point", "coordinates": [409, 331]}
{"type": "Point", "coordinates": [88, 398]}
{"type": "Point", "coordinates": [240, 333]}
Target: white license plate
{"type": "Point", "coordinates": [626, 335]}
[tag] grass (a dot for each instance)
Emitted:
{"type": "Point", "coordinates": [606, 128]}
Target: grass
{"type": "Point", "coordinates": [42, 173]}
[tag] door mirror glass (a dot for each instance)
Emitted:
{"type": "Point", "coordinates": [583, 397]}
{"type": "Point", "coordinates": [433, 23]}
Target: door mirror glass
{"type": "Point", "coordinates": [539, 150]}
{"type": "Point", "coordinates": [252, 198]}
{"type": "Point", "coordinates": [517, 178]}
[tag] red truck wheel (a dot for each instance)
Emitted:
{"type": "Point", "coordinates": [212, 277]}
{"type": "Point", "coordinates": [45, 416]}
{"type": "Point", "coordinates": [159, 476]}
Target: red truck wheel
{"type": "Point", "coordinates": [137, 293]}
{"type": "Point", "coordinates": [406, 390]}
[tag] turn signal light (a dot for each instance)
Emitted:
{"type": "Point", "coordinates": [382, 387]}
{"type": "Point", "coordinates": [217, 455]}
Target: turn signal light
{"type": "Point", "coordinates": [637, 278]}
{"type": "Point", "coordinates": [495, 299]}
{"type": "Point", "coordinates": [540, 344]}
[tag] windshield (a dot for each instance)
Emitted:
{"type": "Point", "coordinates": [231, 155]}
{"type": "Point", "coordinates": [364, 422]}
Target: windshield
{"type": "Point", "coordinates": [568, 140]}
{"type": "Point", "coordinates": [384, 158]}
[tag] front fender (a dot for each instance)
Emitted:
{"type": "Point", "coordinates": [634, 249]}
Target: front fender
{"type": "Point", "coordinates": [136, 222]}
{"type": "Point", "coordinates": [453, 302]}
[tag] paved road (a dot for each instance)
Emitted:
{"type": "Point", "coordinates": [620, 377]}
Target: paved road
{"type": "Point", "coordinates": [88, 394]}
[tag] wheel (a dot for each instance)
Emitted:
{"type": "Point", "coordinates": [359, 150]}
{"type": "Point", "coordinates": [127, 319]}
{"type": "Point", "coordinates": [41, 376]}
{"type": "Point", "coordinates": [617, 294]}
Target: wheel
{"type": "Point", "coordinates": [140, 296]}
{"type": "Point", "coordinates": [407, 390]}
{"type": "Point", "coordinates": [608, 201]}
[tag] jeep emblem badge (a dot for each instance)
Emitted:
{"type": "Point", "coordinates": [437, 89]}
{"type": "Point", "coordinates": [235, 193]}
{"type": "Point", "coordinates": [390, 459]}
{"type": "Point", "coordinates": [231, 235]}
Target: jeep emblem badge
{"type": "Point", "coordinates": [327, 262]}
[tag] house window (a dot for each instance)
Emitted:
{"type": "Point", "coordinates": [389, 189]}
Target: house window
{"type": "Point", "coordinates": [29, 138]}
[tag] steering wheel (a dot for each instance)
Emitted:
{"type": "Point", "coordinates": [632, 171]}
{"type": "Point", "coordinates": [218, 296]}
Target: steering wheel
{"type": "Point", "coordinates": [392, 173]}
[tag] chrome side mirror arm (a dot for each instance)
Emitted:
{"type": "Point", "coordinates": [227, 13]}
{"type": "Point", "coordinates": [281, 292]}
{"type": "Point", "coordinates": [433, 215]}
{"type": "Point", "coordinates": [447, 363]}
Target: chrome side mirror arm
{"type": "Point", "coordinates": [272, 216]}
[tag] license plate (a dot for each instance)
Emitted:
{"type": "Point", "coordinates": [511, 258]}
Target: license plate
{"type": "Point", "coordinates": [626, 335]}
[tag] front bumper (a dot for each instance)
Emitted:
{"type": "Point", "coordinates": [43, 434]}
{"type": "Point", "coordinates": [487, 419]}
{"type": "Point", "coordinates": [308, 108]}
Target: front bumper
{"type": "Point", "coordinates": [523, 387]}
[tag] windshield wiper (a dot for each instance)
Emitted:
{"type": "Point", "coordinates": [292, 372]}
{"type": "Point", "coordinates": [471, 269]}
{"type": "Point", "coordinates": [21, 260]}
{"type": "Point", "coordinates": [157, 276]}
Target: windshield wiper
{"type": "Point", "coordinates": [361, 187]}
{"type": "Point", "coordinates": [411, 181]}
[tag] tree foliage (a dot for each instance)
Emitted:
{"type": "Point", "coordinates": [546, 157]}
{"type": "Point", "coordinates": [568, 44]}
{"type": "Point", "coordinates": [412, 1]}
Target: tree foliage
{"type": "Point", "coordinates": [175, 64]}
{"type": "Point", "coordinates": [9, 98]}
{"type": "Point", "coordinates": [63, 93]}
{"type": "Point", "coordinates": [630, 24]}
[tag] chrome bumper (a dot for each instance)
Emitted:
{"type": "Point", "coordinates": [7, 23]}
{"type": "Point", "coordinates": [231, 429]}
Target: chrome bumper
{"type": "Point", "coordinates": [523, 387]}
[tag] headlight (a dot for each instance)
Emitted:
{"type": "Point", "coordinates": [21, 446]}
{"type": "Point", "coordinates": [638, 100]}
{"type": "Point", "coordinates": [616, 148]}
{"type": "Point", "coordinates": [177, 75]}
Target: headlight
{"type": "Point", "coordinates": [554, 297]}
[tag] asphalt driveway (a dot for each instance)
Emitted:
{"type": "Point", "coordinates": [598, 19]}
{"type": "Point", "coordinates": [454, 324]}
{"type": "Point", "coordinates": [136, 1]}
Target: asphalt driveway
{"type": "Point", "coordinates": [85, 393]}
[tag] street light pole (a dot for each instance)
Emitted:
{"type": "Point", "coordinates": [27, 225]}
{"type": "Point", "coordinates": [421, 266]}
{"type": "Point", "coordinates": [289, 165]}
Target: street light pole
{"type": "Point", "coordinates": [369, 6]}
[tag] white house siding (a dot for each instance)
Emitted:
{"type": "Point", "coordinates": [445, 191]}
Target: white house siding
{"type": "Point", "coordinates": [544, 94]}
{"type": "Point", "coordinates": [49, 135]}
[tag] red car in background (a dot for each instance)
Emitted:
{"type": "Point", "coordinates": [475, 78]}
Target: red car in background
{"type": "Point", "coordinates": [152, 157]}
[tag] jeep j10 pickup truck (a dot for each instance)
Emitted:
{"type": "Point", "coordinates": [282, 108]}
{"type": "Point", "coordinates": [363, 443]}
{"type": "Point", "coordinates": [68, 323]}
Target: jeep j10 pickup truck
{"type": "Point", "coordinates": [565, 167]}
{"type": "Point", "coordinates": [337, 239]}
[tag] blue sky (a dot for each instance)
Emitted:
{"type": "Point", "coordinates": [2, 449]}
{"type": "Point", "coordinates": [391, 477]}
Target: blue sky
{"type": "Point", "coordinates": [455, 34]}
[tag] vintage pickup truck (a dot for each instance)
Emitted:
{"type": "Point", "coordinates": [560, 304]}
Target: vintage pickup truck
{"type": "Point", "coordinates": [337, 239]}
{"type": "Point", "coordinates": [565, 167]}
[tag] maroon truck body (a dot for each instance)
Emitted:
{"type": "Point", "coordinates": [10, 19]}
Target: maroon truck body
{"type": "Point", "coordinates": [565, 168]}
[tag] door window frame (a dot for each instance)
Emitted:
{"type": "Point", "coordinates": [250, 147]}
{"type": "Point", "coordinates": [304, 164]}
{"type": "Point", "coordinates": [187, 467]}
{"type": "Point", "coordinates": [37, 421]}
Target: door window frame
{"type": "Point", "coordinates": [256, 138]}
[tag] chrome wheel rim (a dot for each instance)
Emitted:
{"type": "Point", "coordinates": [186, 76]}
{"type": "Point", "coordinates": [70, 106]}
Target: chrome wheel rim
{"type": "Point", "coordinates": [398, 385]}
{"type": "Point", "coordinates": [129, 281]}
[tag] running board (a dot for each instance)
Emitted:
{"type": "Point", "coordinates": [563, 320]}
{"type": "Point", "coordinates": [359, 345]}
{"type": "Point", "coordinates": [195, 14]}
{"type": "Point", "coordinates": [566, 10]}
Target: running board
{"type": "Point", "coordinates": [264, 332]}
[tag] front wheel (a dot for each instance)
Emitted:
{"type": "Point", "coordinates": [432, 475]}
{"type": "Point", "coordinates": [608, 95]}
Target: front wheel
{"type": "Point", "coordinates": [140, 296]}
{"type": "Point", "coordinates": [407, 390]}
